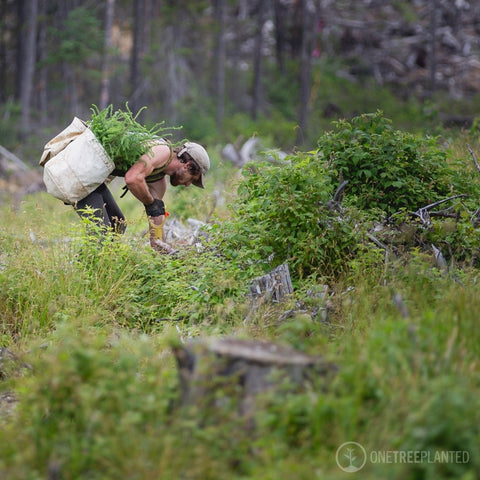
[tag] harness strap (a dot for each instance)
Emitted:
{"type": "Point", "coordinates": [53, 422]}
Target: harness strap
{"type": "Point", "coordinates": [157, 174]}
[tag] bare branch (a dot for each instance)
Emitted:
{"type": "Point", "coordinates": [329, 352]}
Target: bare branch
{"type": "Point", "coordinates": [444, 214]}
{"type": "Point", "coordinates": [13, 158]}
{"type": "Point", "coordinates": [473, 156]}
{"type": "Point", "coordinates": [377, 242]}
{"type": "Point", "coordinates": [443, 201]}
{"type": "Point", "coordinates": [424, 214]}
{"type": "Point", "coordinates": [439, 259]}
{"type": "Point", "coordinates": [338, 197]}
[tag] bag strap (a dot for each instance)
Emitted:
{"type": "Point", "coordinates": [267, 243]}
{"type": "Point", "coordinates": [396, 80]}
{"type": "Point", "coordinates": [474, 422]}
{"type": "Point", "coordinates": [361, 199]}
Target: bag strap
{"type": "Point", "coordinates": [157, 174]}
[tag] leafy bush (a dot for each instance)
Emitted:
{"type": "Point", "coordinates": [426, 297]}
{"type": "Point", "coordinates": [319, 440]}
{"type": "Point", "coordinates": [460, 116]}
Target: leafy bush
{"type": "Point", "coordinates": [284, 210]}
{"type": "Point", "coordinates": [193, 287]}
{"type": "Point", "coordinates": [386, 169]}
{"type": "Point", "coordinates": [282, 214]}
{"type": "Point", "coordinates": [89, 397]}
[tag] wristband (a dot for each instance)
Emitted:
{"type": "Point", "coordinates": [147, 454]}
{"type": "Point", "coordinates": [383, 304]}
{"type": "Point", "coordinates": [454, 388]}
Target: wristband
{"type": "Point", "coordinates": [155, 209]}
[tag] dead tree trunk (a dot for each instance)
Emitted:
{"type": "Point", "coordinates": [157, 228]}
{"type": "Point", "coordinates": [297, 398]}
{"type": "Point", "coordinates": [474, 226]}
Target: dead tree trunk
{"type": "Point", "coordinates": [273, 287]}
{"type": "Point", "coordinates": [29, 30]}
{"type": "Point", "coordinates": [105, 84]}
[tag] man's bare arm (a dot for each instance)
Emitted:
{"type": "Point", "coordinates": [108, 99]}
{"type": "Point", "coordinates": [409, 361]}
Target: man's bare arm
{"type": "Point", "coordinates": [137, 173]}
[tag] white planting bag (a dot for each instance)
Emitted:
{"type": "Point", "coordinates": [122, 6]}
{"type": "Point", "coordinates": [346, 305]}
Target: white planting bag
{"type": "Point", "coordinates": [60, 141]}
{"type": "Point", "coordinates": [78, 168]}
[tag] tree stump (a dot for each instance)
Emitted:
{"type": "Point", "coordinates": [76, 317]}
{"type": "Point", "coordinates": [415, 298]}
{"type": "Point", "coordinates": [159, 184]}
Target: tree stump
{"type": "Point", "coordinates": [274, 286]}
{"type": "Point", "coordinates": [215, 371]}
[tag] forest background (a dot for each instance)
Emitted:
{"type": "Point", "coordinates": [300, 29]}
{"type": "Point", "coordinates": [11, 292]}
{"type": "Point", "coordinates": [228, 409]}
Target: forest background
{"type": "Point", "coordinates": [281, 70]}
{"type": "Point", "coordinates": [384, 273]}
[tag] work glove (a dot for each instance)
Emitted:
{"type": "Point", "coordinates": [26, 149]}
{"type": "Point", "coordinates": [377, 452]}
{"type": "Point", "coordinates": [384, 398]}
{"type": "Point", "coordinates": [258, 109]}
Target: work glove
{"type": "Point", "coordinates": [156, 235]}
{"type": "Point", "coordinates": [156, 231]}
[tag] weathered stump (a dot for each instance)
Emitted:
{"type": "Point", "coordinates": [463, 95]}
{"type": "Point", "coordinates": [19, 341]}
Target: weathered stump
{"type": "Point", "coordinates": [215, 371]}
{"type": "Point", "coordinates": [274, 286]}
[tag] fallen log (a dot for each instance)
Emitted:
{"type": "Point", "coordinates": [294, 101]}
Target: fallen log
{"type": "Point", "coordinates": [12, 161]}
{"type": "Point", "coordinates": [239, 157]}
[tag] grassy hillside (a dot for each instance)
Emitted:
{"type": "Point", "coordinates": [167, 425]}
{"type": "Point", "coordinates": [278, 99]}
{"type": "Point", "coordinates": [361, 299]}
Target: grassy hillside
{"type": "Point", "coordinates": [93, 325]}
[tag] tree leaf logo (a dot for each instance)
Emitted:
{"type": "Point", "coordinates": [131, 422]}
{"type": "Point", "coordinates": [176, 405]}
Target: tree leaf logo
{"type": "Point", "coordinates": [351, 457]}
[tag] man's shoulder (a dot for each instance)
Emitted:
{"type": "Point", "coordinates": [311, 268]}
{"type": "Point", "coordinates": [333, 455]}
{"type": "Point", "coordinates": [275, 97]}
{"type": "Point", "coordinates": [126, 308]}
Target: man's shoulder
{"type": "Point", "coordinates": [159, 153]}
{"type": "Point", "coordinates": [161, 147]}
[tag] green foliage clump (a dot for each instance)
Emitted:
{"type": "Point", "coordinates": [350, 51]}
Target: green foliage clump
{"type": "Point", "coordinates": [458, 239]}
{"type": "Point", "coordinates": [282, 213]}
{"type": "Point", "coordinates": [123, 137]}
{"type": "Point", "coordinates": [386, 169]}
{"type": "Point", "coordinates": [89, 396]}
{"type": "Point", "coordinates": [288, 212]}
{"type": "Point", "coordinates": [194, 287]}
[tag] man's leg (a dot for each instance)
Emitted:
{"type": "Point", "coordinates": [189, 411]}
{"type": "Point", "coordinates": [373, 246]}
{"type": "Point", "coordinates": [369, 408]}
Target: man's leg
{"type": "Point", "coordinates": [113, 212]}
{"type": "Point", "coordinates": [106, 212]}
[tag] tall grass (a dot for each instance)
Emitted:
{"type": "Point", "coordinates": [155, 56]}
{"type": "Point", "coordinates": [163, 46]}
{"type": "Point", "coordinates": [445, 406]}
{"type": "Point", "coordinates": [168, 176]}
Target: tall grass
{"type": "Point", "coordinates": [96, 320]}
{"type": "Point", "coordinates": [100, 401]}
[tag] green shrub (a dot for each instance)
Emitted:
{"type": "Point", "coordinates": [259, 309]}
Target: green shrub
{"type": "Point", "coordinates": [90, 402]}
{"type": "Point", "coordinates": [386, 169]}
{"type": "Point", "coordinates": [284, 210]}
{"type": "Point", "coordinates": [282, 213]}
{"type": "Point", "coordinates": [193, 286]}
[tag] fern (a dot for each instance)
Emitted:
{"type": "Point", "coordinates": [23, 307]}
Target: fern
{"type": "Point", "coordinates": [125, 140]}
